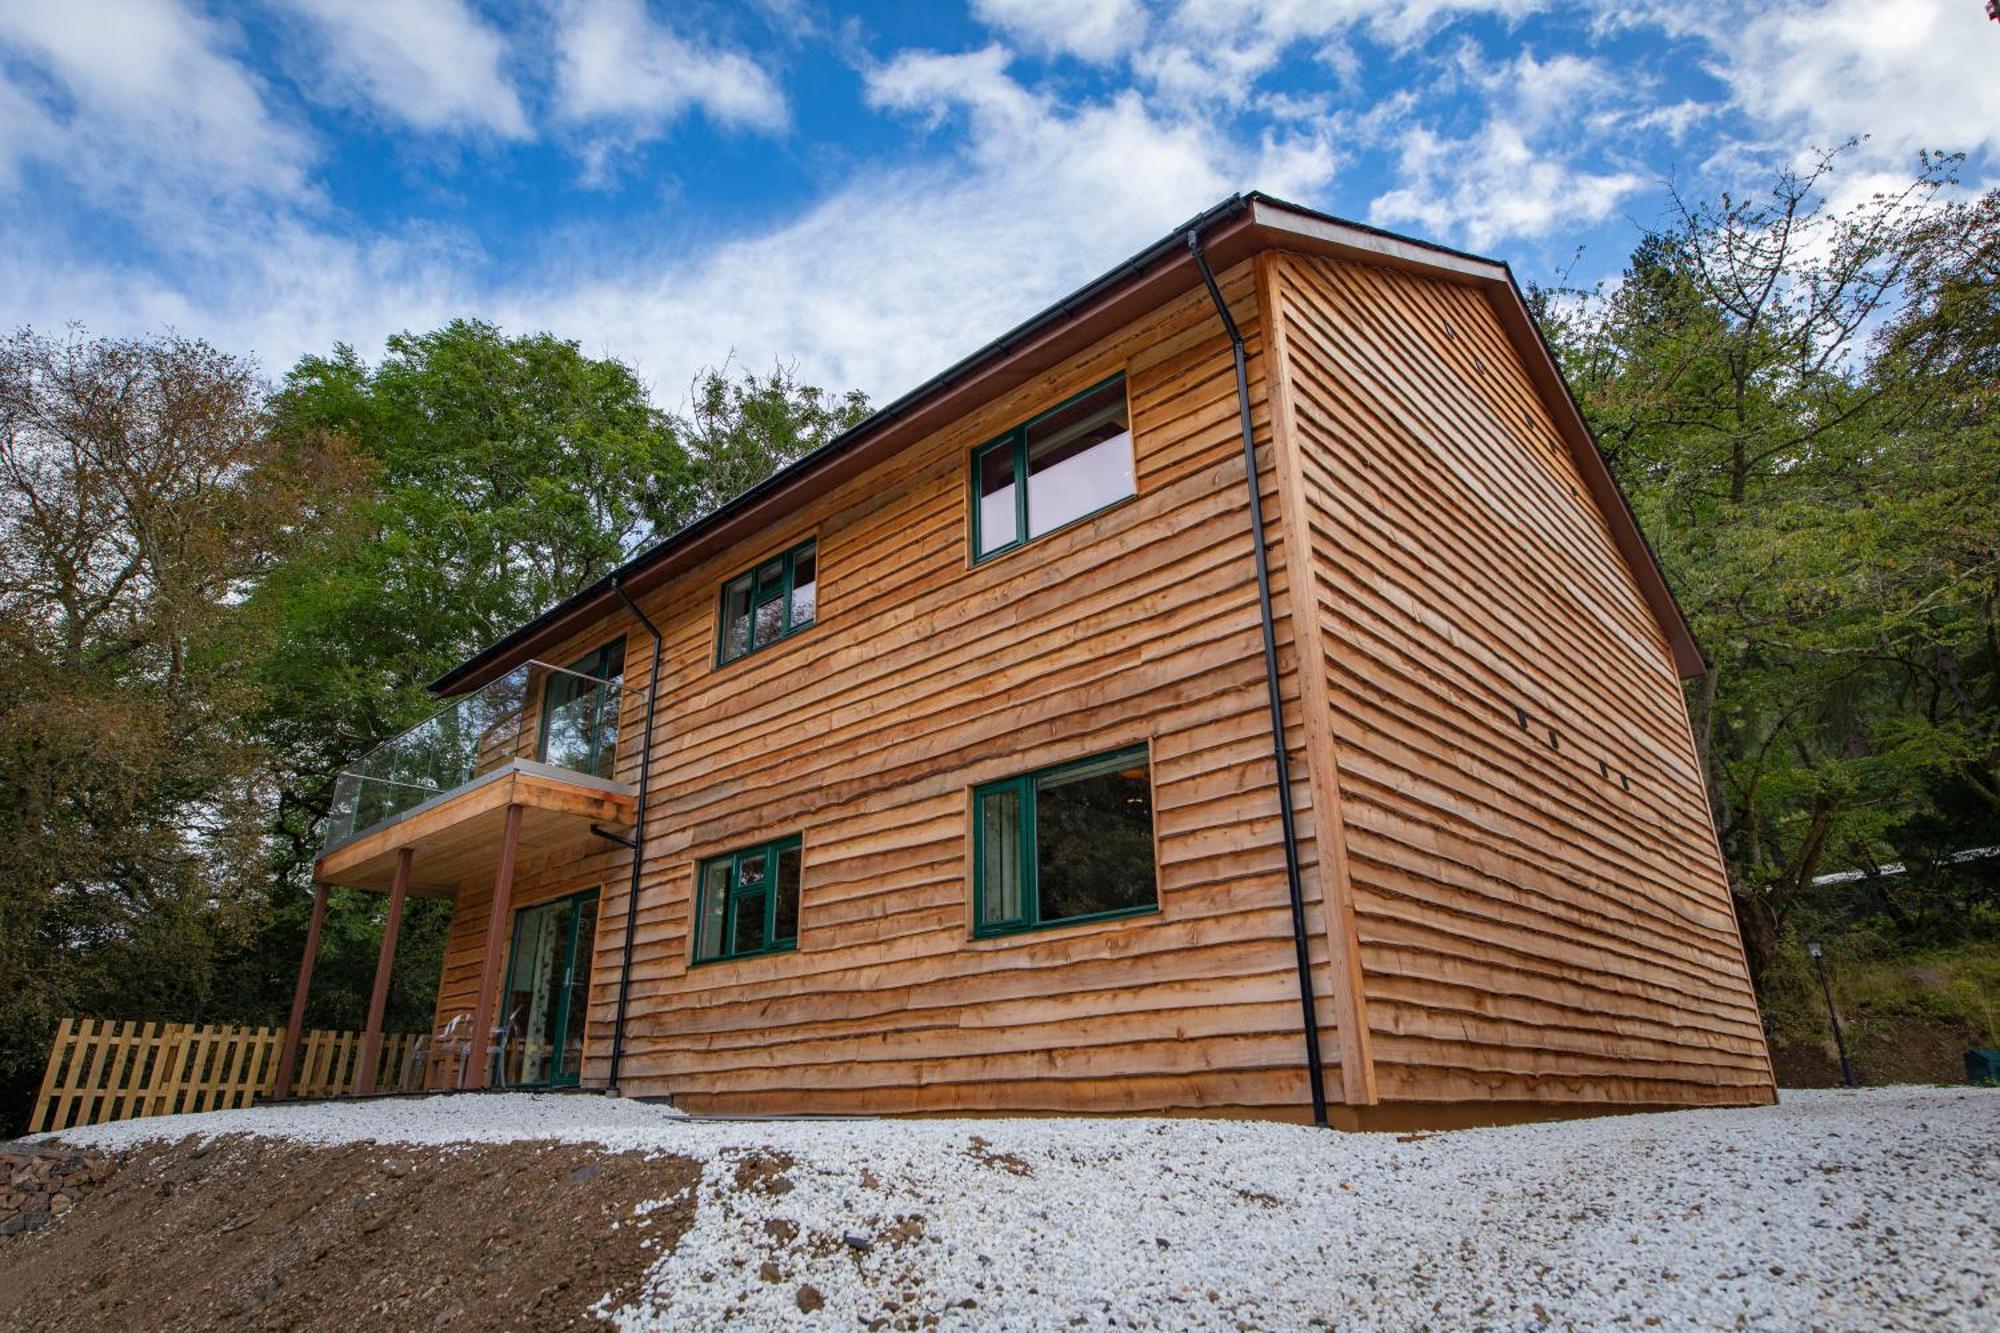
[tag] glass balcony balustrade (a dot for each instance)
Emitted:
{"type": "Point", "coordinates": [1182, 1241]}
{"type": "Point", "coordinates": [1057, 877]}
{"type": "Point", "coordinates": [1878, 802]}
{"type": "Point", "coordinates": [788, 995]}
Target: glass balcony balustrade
{"type": "Point", "coordinates": [538, 712]}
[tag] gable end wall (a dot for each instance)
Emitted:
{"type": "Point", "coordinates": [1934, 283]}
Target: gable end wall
{"type": "Point", "coordinates": [1540, 911]}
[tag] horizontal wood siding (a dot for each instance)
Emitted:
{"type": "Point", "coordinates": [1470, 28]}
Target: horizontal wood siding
{"type": "Point", "coordinates": [923, 677]}
{"type": "Point", "coordinates": [1541, 910]}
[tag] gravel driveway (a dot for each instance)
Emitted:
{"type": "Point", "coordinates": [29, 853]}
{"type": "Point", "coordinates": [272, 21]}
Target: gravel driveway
{"type": "Point", "coordinates": [1836, 1210]}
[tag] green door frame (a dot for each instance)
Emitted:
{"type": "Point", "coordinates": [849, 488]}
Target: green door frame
{"type": "Point", "coordinates": [563, 1078]}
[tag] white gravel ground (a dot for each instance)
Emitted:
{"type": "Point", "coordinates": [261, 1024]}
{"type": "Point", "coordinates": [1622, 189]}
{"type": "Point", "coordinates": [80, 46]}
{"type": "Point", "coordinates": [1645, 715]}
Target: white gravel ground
{"type": "Point", "coordinates": [1834, 1210]}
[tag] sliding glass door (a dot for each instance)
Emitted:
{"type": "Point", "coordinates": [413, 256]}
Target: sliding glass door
{"type": "Point", "coordinates": [547, 993]}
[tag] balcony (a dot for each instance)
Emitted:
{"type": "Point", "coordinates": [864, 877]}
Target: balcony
{"type": "Point", "coordinates": [541, 740]}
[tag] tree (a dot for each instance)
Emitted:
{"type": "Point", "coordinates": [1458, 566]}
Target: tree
{"type": "Point", "coordinates": [141, 499]}
{"type": "Point", "coordinates": [507, 472]}
{"type": "Point", "coordinates": [739, 431]}
{"type": "Point", "coordinates": [1791, 395]}
{"type": "Point", "coordinates": [213, 598]}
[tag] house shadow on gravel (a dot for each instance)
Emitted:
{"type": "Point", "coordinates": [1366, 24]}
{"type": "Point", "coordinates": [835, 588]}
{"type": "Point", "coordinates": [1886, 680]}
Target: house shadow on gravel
{"type": "Point", "coordinates": [265, 1234]}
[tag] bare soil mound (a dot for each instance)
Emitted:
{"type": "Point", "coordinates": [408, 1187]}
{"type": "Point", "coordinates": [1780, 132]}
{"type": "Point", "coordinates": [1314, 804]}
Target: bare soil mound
{"type": "Point", "coordinates": [1899, 1048]}
{"type": "Point", "coordinates": [255, 1233]}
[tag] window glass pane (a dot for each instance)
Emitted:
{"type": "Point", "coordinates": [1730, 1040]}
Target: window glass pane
{"type": "Point", "coordinates": [1079, 459]}
{"type": "Point", "coordinates": [749, 936]}
{"type": "Point", "coordinates": [736, 618]}
{"type": "Point", "coordinates": [997, 519]}
{"type": "Point", "coordinates": [1094, 841]}
{"type": "Point", "coordinates": [714, 903]}
{"type": "Point", "coordinates": [788, 895]}
{"type": "Point", "coordinates": [770, 612]}
{"type": "Point", "coordinates": [580, 713]}
{"type": "Point", "coordinates": [805, 593]}
{"type": "Point", "coordinates": [579, 989]}
{"type": "Point", "coordinates": [1000, 857]}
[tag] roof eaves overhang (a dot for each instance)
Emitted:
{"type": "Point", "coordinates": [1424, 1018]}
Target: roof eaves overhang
{"type": "Point", "coordinates": [1233, 230]}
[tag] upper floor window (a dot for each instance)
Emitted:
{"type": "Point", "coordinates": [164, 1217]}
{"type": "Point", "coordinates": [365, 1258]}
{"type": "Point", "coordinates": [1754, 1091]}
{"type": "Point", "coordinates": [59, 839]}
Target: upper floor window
{"type": "Point", "coordinates": [778, 597]}
{"type": "Point", "coordinates": [1053, 469]}
{"type": "Point", "coordinates": [579, 728]}
{"type": "Point", "coordinates": [748, 901]}
{"type": "Point", "coordinates": [1073, 843]}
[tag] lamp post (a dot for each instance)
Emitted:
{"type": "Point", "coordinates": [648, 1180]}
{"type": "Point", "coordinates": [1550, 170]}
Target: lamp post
{"type": "Point", "coordinates": [1819, 962]}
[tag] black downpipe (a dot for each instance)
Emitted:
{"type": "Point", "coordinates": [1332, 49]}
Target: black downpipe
{"type": "Point", "coordinates": [637, 841]}
{"type": "Point", "coordinates": [1315, 1072]}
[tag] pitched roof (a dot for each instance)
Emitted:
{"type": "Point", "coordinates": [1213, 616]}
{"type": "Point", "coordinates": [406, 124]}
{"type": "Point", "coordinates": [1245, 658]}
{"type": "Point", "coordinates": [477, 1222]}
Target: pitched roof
{"type": "Point", "coordinates": [1232, 230]}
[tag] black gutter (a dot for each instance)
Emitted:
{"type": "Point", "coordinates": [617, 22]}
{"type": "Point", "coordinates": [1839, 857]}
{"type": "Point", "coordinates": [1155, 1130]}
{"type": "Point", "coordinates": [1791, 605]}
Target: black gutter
{"type": "Point", "coordinates": [637, 842]}
{"type": "Point", "coordinates": [1315, 1071]}
{"type": "Point", "coordinates": [998, 349]}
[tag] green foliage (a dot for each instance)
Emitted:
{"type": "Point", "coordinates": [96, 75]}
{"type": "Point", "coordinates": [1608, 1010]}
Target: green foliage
{"type": "Point", "coordinates": [1877, 980]}
{"type": "Point", "coordinates": [140, 497]}
{"type": "Point", "coordinates": [1799, 402]}
{"type": "Point", "coordinates": [216, 596]}
{"type": "Point", "coordinates": [739, 431]}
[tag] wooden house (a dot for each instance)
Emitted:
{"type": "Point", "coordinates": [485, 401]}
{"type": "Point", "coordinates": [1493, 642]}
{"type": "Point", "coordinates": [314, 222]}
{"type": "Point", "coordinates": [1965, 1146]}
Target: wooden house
{"type": "Point", "coordinates": [1030, 749]}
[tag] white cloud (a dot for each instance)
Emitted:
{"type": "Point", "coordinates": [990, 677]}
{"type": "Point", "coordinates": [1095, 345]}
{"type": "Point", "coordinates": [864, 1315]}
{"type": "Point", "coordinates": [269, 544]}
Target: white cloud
{"type": "Point", "coordinates": [1213, 49]}
{"type": "Point", "coordinates": [1093, 30]}
{"type": "Point", "coordinates": [887, 279]}
{"type": "Point", "coordinates": [1545, 94]}
{"type": "Point", "coordinates": [1493, 186]}
{"type": "Point", "coordinates": [1910, 74]}
{"type": "Point", "coordinates": [878, 284]}
{"type": "Point", "coordinates": [1517, 175]}
{"type": "Point", "coordinates": [616, 67]}
{"type": "Point", "coordinates": [433, 64]}
{"type": "Point", "coordinates": [1675, 119]}
{"type": "Point", "coordinates": [139, 105]}
{"type": "Point", "coordinates": [289, 288]}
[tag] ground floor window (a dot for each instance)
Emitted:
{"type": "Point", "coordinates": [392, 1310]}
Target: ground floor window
{"type": "Point", "coordinates": [747, 902]}
{"type": "Point", "coordinates": [1073, 843]}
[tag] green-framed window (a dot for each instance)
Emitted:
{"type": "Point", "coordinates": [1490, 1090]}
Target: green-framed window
{"type": "Point", "coordinates": [579, 725]}
{"type": "Point", "coordinates": [747, 902]}
{"type": "Point", "coordinates": [1053, 469]}
{"type": "Point", "coordinates": [1067, 844]}
{"type": "Point", "coordinates": [762, 605]}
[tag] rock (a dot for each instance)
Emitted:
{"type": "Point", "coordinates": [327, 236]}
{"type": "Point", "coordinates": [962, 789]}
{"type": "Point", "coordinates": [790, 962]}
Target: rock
{"type": "Point", "coordinates": [857, 1241]}
{"type": "Point", "coordinates": [808, 1299]}
{"type": "Point", "coordinates": [781, 1230]}
{"type": "Point", "coordinates": [583, 1173]}
{"type": "Point", "coordinates": [769, 1272]}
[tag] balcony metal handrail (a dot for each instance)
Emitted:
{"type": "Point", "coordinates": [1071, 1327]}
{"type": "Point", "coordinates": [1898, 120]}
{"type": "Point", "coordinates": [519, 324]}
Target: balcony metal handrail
{"type": "Point", "coordinates": [475, 733]}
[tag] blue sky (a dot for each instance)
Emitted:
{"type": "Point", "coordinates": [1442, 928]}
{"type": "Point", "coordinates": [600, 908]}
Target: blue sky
{"type": "Point", "coordinates": [871, 192]}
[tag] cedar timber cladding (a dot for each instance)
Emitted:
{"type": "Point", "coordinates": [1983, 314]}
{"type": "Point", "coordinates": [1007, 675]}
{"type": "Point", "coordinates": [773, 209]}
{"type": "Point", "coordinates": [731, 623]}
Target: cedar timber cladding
{"type": "Point", "coordinates": [924, 677]}
{"type": "Point", "coordinates": [1513, 895]}
{"type": "Point", "coordinates": [1541, 911]}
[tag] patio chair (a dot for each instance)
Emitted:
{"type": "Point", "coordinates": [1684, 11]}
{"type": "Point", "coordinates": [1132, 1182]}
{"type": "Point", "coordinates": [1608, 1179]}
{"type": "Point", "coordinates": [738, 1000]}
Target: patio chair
{"type": "Point", "coordinates": [453, 1041]}
{"type": "Point", "coordinates": [496, 1049]}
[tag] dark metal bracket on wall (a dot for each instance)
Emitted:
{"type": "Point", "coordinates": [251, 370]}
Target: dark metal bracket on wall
{"type": "Point", "coordinates": [1315, 1069]}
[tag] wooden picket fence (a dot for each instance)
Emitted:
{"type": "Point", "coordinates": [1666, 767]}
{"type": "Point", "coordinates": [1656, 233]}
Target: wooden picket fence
{"type": "Point", "coordinates": [100, 1069]}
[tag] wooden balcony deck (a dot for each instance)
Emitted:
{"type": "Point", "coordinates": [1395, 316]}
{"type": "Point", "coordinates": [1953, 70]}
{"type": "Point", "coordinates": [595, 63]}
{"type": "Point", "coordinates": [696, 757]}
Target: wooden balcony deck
{"type": "Point", "coordinates": [457, 835]}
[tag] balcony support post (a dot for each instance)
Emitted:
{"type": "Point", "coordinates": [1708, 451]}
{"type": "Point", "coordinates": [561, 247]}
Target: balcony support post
{"type": "Point", "coordinates": [288, 1056]}
{"type": "Point", "coordinates": [385, 962]}
{"type": "Point", "coordinates": [484, 1040]}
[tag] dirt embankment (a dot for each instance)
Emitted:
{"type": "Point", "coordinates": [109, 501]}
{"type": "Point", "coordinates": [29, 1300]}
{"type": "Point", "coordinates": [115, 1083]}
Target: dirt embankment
{"type": "Point", "coordinates": [1897, 1049]}
{"type": "Point", "coordinates": [263, 1234]}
